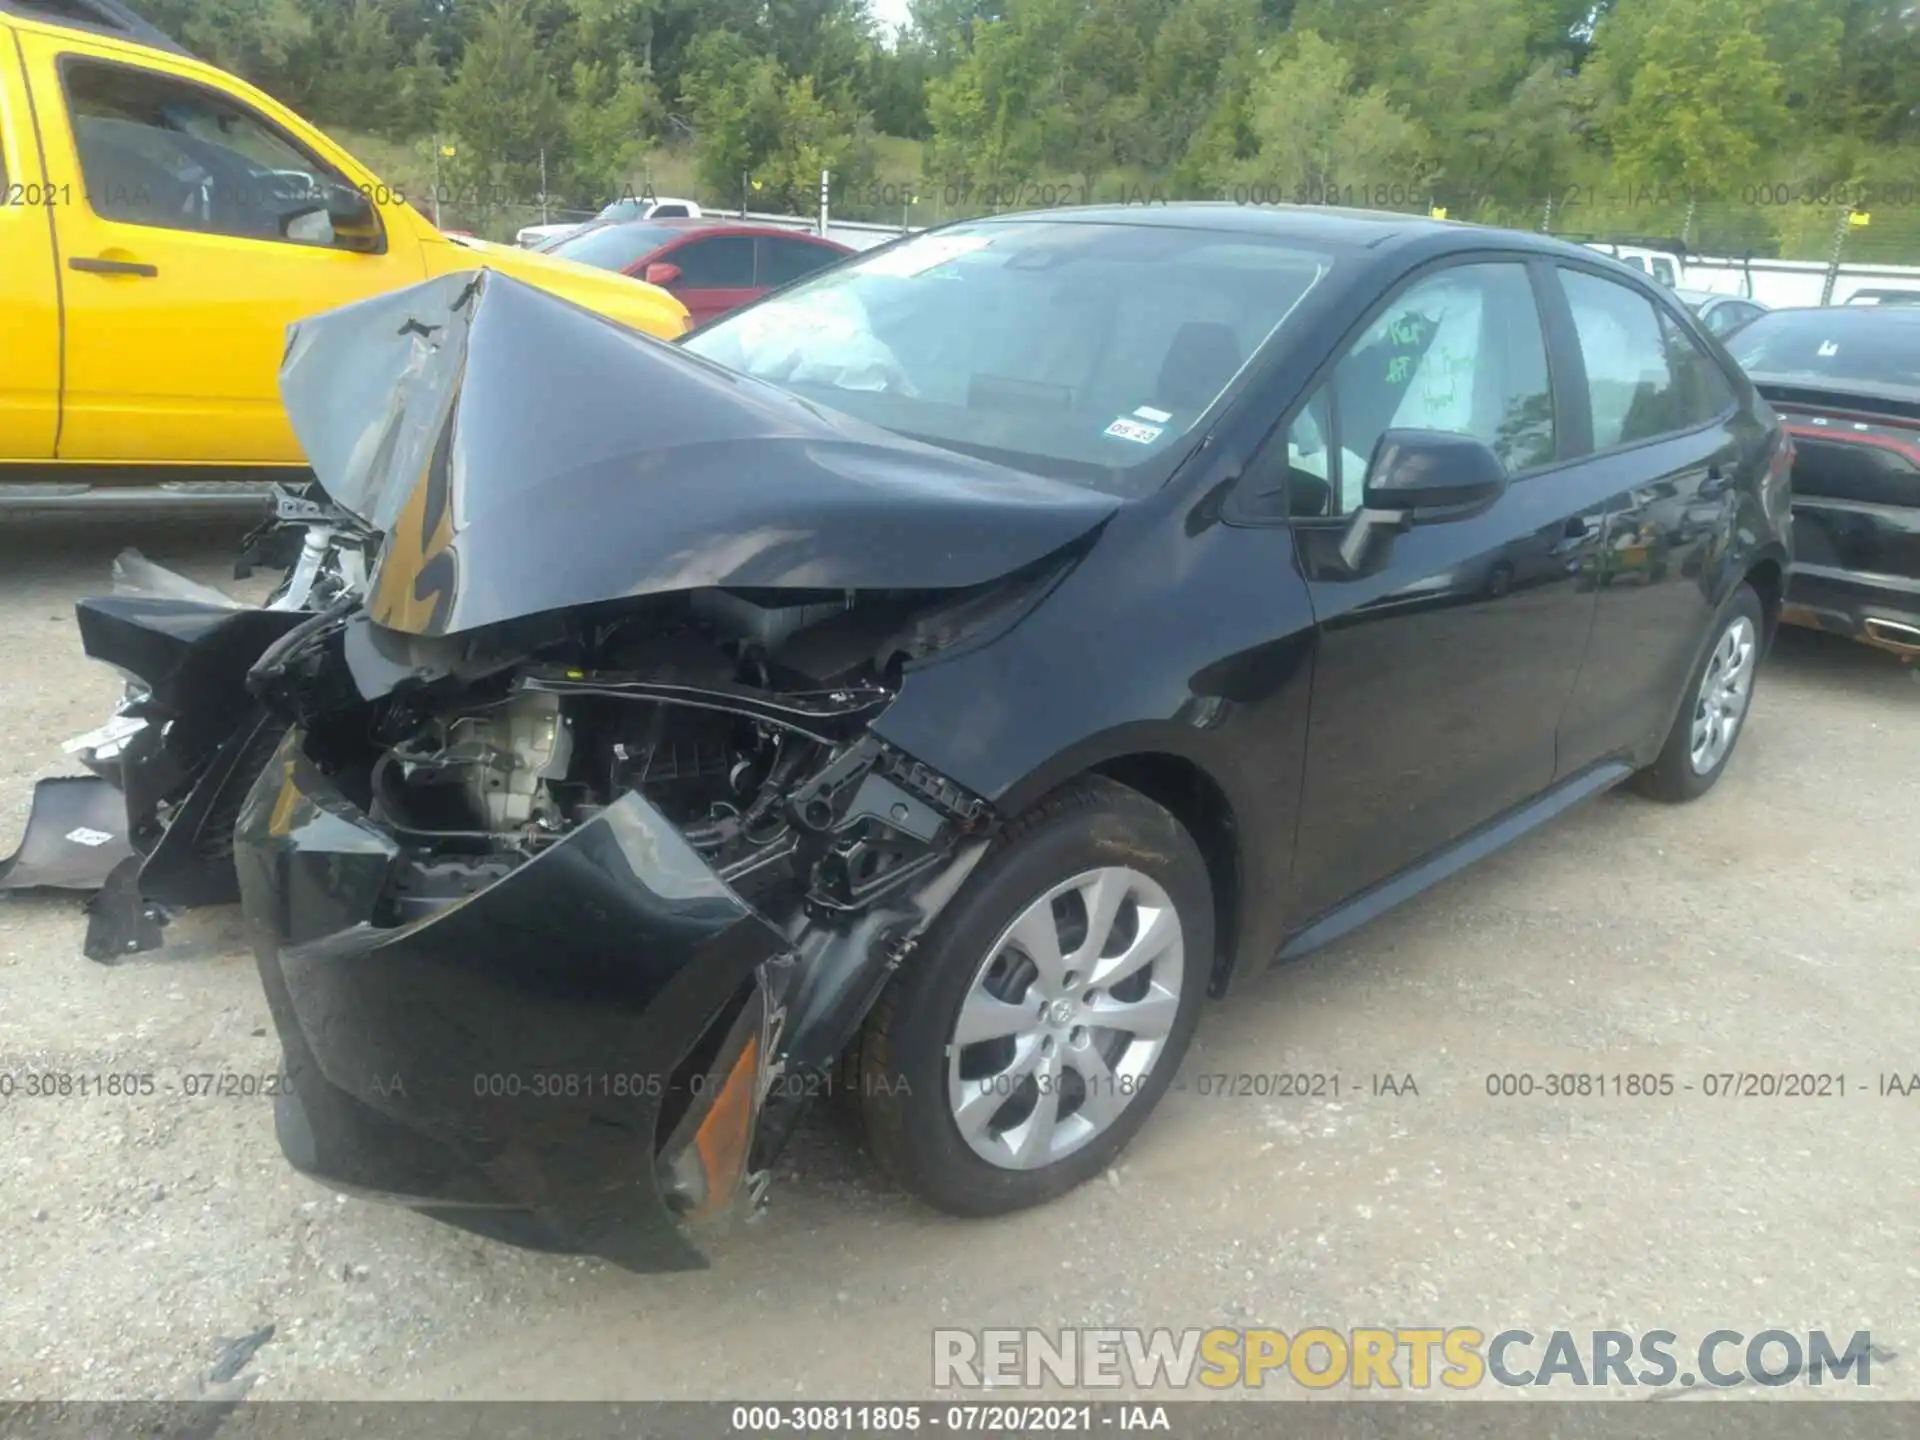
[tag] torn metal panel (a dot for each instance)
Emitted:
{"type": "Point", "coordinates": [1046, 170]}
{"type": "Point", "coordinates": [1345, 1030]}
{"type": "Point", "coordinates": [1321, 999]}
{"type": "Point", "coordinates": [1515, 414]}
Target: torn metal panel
{"type": "Point", "coordinates": [76, 834]}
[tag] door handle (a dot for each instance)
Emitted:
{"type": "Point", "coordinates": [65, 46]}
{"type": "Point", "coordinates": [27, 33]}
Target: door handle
{"type": "Point", "coordinates": [95, 266]}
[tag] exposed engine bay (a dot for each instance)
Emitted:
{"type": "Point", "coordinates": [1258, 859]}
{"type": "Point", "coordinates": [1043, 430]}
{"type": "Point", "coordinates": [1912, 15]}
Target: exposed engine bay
{"type": "Point", "coordinates": [740, 716]}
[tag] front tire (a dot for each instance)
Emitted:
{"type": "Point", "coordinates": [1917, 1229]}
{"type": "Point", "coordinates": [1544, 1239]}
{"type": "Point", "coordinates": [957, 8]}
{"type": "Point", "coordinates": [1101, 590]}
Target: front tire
{"type": "Point", "coordinates": [1039, 1021]}
{"type": "Point", "coordinates": [1713, 715]}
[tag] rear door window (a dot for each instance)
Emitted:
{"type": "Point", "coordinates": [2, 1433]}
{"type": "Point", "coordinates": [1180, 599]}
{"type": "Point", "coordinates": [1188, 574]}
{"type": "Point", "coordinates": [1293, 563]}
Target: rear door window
{"type": "Point", "coordinates": [1631, 384]}
{"type": "Point", "coordinates": [724, 262]}
{"type": "Point", "coordinates": [782, 261]}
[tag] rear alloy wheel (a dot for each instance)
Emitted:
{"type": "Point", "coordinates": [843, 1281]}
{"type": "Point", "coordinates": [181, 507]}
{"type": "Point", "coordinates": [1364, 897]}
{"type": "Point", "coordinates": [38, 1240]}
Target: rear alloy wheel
{"type": "Point", "coordinates": [1719, 695]}
{"type": "Point", "coordinates": [1041, 1019]}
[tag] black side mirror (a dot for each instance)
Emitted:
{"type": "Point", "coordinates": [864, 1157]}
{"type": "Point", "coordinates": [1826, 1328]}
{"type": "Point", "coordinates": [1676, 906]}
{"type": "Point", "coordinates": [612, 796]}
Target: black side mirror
{"type": "Point", "coordinates": [1419, 477]}
{"type": "Point", "coordinates": [1430, 475]}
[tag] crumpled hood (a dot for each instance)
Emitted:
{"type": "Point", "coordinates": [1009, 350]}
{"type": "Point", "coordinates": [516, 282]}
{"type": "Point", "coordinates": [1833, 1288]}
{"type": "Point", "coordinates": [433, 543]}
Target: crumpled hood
{"type": "Point", "coordinates": [521, 454]}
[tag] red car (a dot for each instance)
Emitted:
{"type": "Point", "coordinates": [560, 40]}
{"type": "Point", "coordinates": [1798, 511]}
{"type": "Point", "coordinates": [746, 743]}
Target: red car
{"type": "Point", "coordinates": [710, 265]}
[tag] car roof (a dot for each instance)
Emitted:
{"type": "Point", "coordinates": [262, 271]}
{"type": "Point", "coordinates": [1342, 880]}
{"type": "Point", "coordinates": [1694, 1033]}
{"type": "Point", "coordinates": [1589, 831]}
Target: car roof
{"type": "Point", "coordinates": [98, 17]}
{"type": "Point", "coordinates": [1318, 225]}
{"type": "Point", "coordinates": [1857, 314]}
{"type": "Point", "coordinates": [721, 223]}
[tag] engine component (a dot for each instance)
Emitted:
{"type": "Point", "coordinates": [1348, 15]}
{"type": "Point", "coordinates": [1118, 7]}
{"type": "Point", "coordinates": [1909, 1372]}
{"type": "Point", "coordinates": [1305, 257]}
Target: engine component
{"type": "Point", "coordinates": [507, 754]}
{"type": "Point", "coordinates": [769, 625]}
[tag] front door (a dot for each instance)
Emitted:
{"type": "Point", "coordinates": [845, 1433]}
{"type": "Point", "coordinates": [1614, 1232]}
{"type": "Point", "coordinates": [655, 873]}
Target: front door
{"type": "Point", "coordinates": [200, 230]}
{"type": "Point", "coordinates": [1438, 681]}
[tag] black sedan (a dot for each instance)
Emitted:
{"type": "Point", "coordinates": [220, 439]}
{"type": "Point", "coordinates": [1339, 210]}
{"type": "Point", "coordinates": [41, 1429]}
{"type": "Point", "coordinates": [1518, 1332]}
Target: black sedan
{"type": "Point", "coordinates": [1846, 381]}
{"type": "Point", "coordinates": [931, 681]}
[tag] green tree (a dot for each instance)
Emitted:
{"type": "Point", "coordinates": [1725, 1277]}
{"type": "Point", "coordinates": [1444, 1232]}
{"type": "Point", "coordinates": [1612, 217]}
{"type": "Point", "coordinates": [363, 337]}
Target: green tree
{"type": "Point", "coordinates": [1685, 94]}
{"type": "Point", "coordinates": [1191, 72]}
{"type": "Point", "coordinates": [423, 88]}
{"type": "Point", "coordinates": [756, 123]}
{"type": "Point", "coordinates": [1498, 101]}
{"type": "Point", "coordinates": [1316, 133]}
{"type": "Point", "coordinates": [895, 89]}
{"type": "Point", "coordinates": [353, 61]}
{"type": "Point", "coordinates": [613, 116]}
{"type": "Point", "coordinates": [504, 112]}
{"type": "Point", "coordinates": [991, 114]}
{"type": "Point", "coordinates": [264, 41]}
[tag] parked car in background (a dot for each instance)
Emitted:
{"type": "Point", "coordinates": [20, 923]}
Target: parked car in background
{"type": "Point", "coordinates": [1664, 266]}
{"type": "Point", "coordinates": [167, 223]}
{"type": "Point", "coordinates": [711, 266]}
{"type": "Point", "coordinates": [1884, 297]}
{"type": "Point", "coordinates": [660, 207]}
{"type": "Point", "coordinates": [1721, 314]}
{"type": "Point", "coordinates": [1846, 382]}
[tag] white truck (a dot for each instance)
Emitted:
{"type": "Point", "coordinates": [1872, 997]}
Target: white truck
{"type": "Point", "coordinates": [1772, 283]}
{"type": "Point", "coordinates": [629, 207]}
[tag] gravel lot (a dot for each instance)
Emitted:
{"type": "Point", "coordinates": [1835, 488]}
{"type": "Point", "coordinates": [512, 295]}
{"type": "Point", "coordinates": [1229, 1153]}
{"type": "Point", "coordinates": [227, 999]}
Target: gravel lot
{"type": "Point", "coordinates": [1773, 926]}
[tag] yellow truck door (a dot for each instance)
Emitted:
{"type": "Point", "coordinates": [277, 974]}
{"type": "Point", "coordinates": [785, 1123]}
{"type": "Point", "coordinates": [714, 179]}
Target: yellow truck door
{"type": "Point", "coordinates": [29, 291]}
{"type": "Point", "coordinates": [205, 219]}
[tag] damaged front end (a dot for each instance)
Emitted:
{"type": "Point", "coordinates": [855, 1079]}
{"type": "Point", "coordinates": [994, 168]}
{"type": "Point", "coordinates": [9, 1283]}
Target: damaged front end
{"type": "Point", "coordinates": [578, 865]}
{"type": "Point", "coordinates": [150, 829]}
{"type": "Point", "coordinates": [557, 949]}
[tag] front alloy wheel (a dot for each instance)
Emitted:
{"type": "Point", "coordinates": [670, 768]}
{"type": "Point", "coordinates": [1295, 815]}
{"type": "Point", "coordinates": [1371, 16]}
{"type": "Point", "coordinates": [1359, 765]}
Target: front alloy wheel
{"type": "Point", "coordinates": [1065, 1018]}
{"type": "Point", "coordinates": [1039, 1021]}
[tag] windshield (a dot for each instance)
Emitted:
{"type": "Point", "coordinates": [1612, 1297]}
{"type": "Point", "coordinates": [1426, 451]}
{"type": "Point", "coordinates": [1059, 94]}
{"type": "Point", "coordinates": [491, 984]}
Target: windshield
{"type": "Point", "coordinates": [1081, 351]}
{"type": "Point", "coordinates": [1877, 348]}
{"type": "Point", "coordinates": [612, 247]}
{"type": "Point", "coordinates": [627, 209]}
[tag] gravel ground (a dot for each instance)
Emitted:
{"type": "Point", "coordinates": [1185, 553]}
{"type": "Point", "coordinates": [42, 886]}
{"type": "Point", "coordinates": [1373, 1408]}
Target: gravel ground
{"type": "Point", "coordinates": [1773, 926]}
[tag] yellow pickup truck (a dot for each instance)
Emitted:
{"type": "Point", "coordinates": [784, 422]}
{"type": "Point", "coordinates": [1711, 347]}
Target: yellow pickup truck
{"type": "Point", "coordinates": [161, 224]}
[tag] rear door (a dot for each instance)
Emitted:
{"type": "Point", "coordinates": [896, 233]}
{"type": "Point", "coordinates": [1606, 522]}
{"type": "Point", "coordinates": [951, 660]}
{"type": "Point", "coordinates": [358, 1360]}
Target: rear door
{"type": "Point", "coordinates": [1666, 442]}
{"type": "Point", "coordinates": [716, 274]}
{"type": "Point", "coordinates": [184, 257]}
{"type": "Point", "coordinates": [1438, 683]}
{"type": "Point", "coordinates": [29, 286]}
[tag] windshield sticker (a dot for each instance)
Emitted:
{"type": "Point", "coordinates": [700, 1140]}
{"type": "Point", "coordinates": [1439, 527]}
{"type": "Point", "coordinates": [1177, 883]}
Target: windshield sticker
{"type": "Point", "coordinates": [1125, 429]}
{"type": "Point", "coordinates": [1147, 412]}
{"type": "Point", "coordinates": [1829, 349]}
{"type": "Point", "coordinates": [917, 256]}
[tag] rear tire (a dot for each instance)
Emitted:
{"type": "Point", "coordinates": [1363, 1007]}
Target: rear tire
{"type": "Point", "coordinates": [973, 1126]}
{"type": "Point", "coordinates": [1713, 715]}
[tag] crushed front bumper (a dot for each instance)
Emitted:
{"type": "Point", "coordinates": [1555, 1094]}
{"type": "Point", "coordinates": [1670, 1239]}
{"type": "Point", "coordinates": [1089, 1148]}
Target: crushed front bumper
{"type": "Point", "coordinates": [572, 1058]}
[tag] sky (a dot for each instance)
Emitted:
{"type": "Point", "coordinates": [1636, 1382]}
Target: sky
{"type": "Point", "coordinates": [890, 13]}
